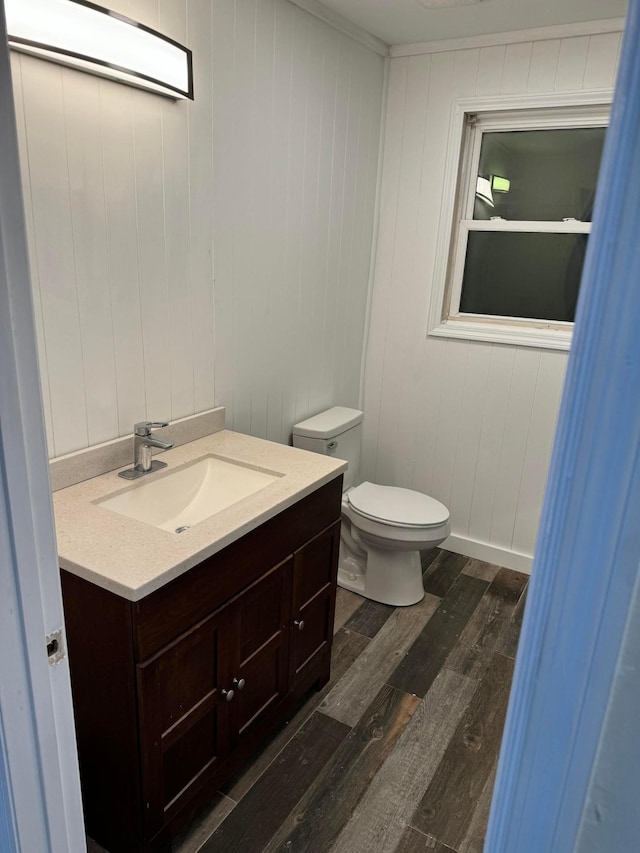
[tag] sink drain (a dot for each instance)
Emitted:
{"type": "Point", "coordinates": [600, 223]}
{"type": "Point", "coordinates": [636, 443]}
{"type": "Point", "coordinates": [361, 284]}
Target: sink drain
{"type": "Point", "coordinates": [182, 529]}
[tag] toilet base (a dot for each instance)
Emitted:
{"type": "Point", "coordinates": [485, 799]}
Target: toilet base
{"type": "Point", "coordinates": [390, 577]}
{"type": "Point", "coordinates": [354, 583]}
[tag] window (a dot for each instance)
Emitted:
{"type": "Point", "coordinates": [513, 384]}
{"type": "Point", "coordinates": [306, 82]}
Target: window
{"type": "Point", "coordinates": [523, 208]}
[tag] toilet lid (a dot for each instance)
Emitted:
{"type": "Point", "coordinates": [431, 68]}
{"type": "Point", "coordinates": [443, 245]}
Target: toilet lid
{"type": "Point", "coordinates": [392, 505]}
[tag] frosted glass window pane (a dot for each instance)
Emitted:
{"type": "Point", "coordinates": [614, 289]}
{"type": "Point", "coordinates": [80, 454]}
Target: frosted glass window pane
{"type": "Point", "coordinates": [551, 174]}
{"type": "Point", "coordinates": [516, 274]}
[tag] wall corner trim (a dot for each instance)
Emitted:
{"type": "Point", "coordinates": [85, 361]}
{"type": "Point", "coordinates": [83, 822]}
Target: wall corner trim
{"type": "Point", "coordinates": [560, 31]}
{"type": "Point", "coordinates": [375, 235]}
{"type": "Point", "coordinates": [344, 25]}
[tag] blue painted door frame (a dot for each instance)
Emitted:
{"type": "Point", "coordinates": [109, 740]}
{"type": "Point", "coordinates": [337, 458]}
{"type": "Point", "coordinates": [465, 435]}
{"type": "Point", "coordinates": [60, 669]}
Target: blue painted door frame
{"type": "Point", "coordinates": [588, 551]}
{"type": "Point", "coordinates": [7, 828]}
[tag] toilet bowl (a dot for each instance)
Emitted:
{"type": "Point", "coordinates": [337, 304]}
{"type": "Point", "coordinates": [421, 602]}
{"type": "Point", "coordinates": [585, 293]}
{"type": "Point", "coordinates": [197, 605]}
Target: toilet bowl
{"type": "Point", "coordinates": [384, 528]}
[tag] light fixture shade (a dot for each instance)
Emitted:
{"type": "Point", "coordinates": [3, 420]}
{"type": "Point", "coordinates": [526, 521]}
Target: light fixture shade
{"type": "Point", "coordinates": [483, 190]}
{"type": "Point", "coordinates": [499, 184]}
{"type": "Point", "coordinates": [94, 39]}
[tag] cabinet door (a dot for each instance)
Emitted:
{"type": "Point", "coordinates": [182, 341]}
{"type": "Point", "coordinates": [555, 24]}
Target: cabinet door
{"type": "Point", "coordinates": [259, 670]}
{"type": "Point", "coordinates": [184, 717]}
{"type": "Point", "coordinates": [315, 566]}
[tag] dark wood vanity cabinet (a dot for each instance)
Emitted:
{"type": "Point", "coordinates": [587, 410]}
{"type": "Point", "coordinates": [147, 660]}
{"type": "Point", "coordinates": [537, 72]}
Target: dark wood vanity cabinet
{"type": "Point", "coordinates": [174, 692]}
{"type": "Point", "coordinates": [313, 601]}
{"type": "Point", "coordinates": [184, 724]}
{"type": "Point", "coordinates": [201, 694]}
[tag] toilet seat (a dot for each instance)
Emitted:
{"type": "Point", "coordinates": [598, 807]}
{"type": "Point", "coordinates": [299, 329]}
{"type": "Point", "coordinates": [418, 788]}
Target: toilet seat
{"type": "Point", "coordinates": [395, 506]}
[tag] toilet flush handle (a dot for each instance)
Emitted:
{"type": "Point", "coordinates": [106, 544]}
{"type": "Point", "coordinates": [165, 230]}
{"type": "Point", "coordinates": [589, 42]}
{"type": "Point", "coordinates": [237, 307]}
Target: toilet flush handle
{"type": "Point", "coordinates": [331, 446]}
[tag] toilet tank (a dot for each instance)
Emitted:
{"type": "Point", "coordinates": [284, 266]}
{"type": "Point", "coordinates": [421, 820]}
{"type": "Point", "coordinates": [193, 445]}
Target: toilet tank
{"type": "Point", "coordinates": [336, 432]}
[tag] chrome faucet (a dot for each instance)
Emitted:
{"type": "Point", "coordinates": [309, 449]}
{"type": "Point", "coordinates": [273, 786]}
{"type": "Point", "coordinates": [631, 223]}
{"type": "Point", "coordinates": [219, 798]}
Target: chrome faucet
{"type": "Point", "coordinates": [143, 441]}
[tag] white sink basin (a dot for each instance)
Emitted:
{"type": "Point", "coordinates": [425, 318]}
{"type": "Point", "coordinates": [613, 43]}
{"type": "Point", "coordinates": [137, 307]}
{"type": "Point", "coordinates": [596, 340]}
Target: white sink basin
{"type": "Point", "coordinates": [181, 498]}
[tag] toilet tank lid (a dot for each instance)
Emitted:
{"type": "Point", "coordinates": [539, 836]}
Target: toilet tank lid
{"type": "Point", "coordinates": [329, 424]}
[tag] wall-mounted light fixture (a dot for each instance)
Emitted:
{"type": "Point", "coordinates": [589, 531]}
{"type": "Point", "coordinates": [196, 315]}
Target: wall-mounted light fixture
{"type": "Point", "coordinates": [94, 39]}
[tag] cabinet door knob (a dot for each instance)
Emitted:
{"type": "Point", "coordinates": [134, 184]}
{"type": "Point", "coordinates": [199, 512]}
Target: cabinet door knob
{"type": "Point", "coordinates": [239, 683]}
{"type": "Point", "coordinates": [299, 624]}
{"type": "Point", "coordinates": [228, 695]}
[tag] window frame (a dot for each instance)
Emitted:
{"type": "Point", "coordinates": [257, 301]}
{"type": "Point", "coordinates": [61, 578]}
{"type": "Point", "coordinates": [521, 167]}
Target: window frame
{"type": "Point", "coordinates": [470, 118]}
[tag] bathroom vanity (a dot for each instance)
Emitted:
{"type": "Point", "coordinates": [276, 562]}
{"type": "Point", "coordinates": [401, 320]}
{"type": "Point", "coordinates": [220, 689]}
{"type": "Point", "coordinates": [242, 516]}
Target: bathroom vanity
{"type": "Point", "coordinates": [178, 681]}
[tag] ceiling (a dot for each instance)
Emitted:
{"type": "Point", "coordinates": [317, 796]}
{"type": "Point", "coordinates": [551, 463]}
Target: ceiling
{"type": "Point", "coordinates": [408, 21]}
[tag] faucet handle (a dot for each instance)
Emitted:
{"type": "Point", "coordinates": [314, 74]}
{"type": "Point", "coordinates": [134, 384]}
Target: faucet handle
{"type": "Point", "coordinates": [144, 428]}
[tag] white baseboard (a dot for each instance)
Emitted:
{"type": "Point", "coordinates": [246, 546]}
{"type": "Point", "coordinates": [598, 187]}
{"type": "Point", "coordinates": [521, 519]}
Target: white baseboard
{"type": "Point", "coordinates": [489, 553]}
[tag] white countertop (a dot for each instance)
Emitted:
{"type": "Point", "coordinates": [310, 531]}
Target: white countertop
{"type": "Point", "coordinates": [133, 559]}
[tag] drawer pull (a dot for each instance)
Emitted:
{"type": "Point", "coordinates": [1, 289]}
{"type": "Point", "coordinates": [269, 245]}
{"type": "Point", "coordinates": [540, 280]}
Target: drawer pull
{"type": "Point", "coordinates": [228, 695]}
{"type": "Point", "coordinates": [299, 623]}
{"type": "Point", "coordinates": [239, 683]}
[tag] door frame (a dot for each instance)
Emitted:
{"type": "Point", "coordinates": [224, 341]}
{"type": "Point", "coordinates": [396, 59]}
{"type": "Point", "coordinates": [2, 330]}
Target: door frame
{"type": "Point", "coordinates": [40, 801]}
{"type": "Point", "coordinates": [586, 562]}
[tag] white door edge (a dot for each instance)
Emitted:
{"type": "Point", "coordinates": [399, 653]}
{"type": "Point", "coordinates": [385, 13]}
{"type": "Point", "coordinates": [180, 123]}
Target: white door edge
{"type": "Point", "coordinates": [39, 781]}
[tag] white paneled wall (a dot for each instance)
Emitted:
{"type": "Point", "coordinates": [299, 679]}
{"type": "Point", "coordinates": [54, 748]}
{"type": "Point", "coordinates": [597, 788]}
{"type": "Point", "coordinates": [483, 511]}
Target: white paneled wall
{"type": "Point", "coordinates": [298, 108]}
{"type": "Point", "coordinates": [127, 196]}
{"type": "Point", "coordinates": [470, 423]}
{"type": "Point", "coordinates": [118, 191]}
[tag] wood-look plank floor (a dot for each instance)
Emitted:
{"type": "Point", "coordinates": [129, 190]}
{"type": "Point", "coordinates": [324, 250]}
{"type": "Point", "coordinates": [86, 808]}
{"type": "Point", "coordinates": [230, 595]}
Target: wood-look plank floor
{"type": "Point", "coordinates": [397, 754]}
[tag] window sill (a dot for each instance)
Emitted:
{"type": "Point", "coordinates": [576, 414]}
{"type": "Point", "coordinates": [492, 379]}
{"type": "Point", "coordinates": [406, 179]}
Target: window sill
{"type": "Point", "coordinates": [524, 335]}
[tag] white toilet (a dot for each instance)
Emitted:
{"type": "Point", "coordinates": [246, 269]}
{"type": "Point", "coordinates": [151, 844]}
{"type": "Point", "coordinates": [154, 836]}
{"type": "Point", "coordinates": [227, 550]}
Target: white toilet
{"type": "Point", "coordinates": [383, 527]}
